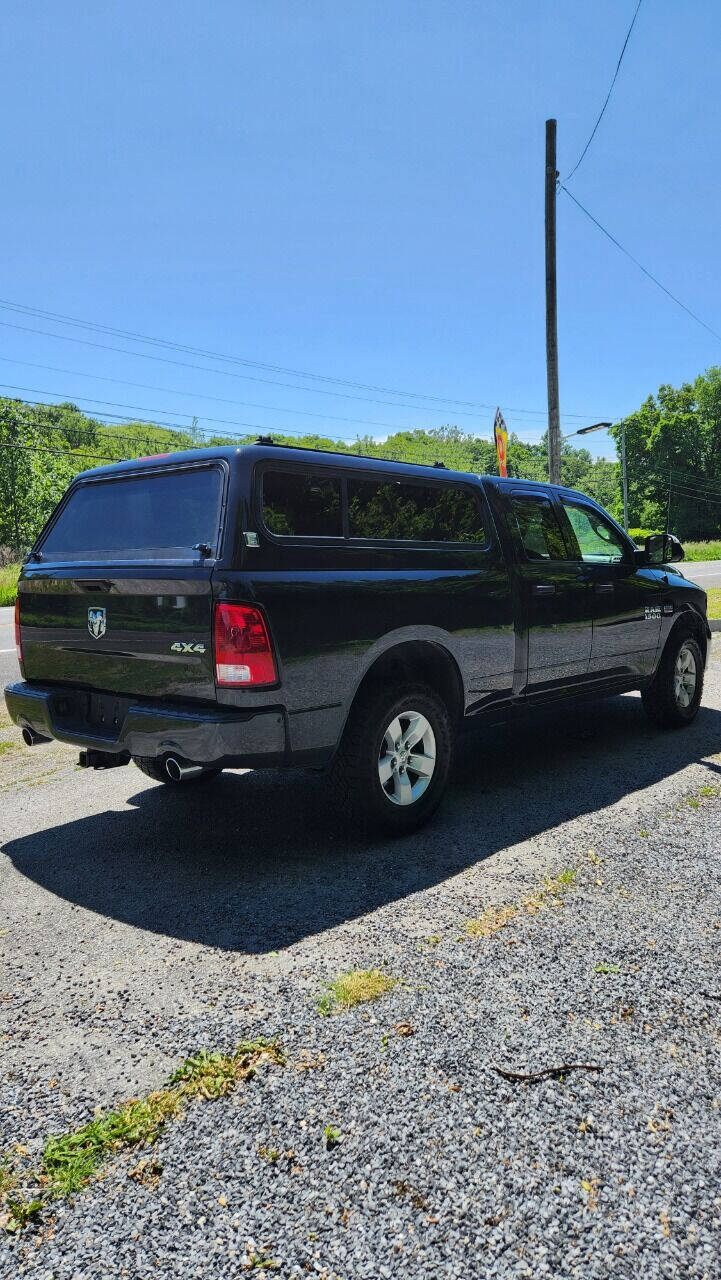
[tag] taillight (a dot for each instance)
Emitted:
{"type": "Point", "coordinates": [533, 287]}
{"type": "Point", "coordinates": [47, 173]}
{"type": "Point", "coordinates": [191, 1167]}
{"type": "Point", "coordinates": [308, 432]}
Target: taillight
{"type": "Point", "coordinates": [243, 652]}
{"type": "Point", "coordinates": [18, 641]}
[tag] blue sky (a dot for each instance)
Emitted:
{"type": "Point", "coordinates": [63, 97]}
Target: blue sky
{"type": "Point", "coordinates": [356, 189]}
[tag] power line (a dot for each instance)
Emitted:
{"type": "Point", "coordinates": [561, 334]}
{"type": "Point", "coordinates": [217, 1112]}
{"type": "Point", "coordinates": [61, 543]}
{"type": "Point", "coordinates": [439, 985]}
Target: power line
{"type": "Point", "coordinates": [96, 327]}
{"type": "Point", "coordinates": [249, 404]}
{"type": "Point", "coordinates": [149, 422]}
{"type": "Point", "coordinates": [689, 480]}
{"type": "Point", "coordinates": [67, 453]}
{"type": "Point", "coordinates": [143, 355]}
{"type": "Point", "coordinates": [232, 422]}
{"type": "Point", "coordinates": [685, 478]}
{"type": "Point", "coordinates": [422, 453]}
{"type": "Point", "coordinates": [229, 373]}
{"type": "Point", "coordinates": [696, 497]}
{"type": "Point", "coordinates": [608, 95]}
{"type": "Point", "coordinates": [640, 266]}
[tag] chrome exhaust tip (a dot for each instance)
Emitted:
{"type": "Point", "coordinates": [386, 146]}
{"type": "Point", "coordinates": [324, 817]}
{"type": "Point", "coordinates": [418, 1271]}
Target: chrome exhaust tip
{"type": "Point", "coordinates": [181, 772]}
{"type": "Point", "coordinates": [33, 739]}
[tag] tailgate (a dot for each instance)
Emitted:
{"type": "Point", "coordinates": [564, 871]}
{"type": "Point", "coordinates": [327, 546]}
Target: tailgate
{"type": "Point", "coordinates": [117, 597]}
{"type": "Point", "coordinates": [144, 636]}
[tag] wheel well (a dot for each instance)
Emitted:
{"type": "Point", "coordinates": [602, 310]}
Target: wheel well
{"type": "Point", "coordinates": [692, 621]}
{"type": "Point", "coordinates": [418, 660]}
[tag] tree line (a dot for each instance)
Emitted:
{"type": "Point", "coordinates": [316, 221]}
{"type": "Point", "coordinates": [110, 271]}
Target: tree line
{"type": "Point", "coordinates": [673, 453]}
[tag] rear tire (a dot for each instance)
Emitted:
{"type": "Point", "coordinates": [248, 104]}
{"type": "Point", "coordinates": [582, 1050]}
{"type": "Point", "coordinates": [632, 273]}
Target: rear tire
{"type": "Point", "coordinates": [154, 768]}
{"type": "Point", "coordinates": [672, 699]}
{"type": "Point", "coordinates": [393, 763]}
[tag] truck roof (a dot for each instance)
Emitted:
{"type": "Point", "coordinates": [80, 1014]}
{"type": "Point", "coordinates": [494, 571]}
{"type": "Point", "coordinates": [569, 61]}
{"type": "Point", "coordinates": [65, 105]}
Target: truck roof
{"type": "Point", "coordinates": [263, 449]}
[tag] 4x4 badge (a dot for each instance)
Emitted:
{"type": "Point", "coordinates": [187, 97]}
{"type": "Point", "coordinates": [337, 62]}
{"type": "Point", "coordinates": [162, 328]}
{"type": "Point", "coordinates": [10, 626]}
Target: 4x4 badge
{"type": "Point", "coordinates": [96, 623]}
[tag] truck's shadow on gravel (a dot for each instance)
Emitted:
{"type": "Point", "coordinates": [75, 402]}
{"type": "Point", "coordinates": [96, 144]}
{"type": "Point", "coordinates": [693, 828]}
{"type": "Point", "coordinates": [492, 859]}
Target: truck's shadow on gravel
{"type": "Point", "coordinates": [255, 862]}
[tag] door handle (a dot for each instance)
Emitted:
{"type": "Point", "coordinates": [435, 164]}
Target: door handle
{"type": "Point", "coordinates": [544, 588]}
{"type": "Point", "coordinates": [603, 588]}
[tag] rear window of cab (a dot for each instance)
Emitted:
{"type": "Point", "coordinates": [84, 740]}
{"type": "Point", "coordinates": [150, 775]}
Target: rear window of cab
{"type": "Point", "coordinates": [307, 504]}
{"type": "Point", "coordinates": [159, 515]}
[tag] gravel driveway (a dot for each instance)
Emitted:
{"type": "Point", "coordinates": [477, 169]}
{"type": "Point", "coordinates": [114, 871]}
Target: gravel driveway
{"type": "Point", "coordinates": [137, 930]}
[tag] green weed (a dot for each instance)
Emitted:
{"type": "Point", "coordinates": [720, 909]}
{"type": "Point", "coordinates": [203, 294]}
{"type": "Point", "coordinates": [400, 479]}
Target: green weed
{"type": "Point", "coordinates": [604, 967]}
{"type": "Point", "coordinates": [357, 987]}
{"type": "Point", "coordinates": [332, 1137]}
{"type": "Point", "coordinates": [69, 1160]}
{"type": "Point", "coordinates": [494, 919]}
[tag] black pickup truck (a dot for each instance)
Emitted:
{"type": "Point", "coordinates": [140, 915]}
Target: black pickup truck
{"type": "Point", "coordinates": [270, 606]}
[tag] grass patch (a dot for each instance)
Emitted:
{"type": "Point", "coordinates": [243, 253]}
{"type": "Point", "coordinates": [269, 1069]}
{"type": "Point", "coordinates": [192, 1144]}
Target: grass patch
{"type": "Point", "coordinates": [604, 967]}
{"type": "Point", "coordinates": [9, 583]}
{"type": "Point", "coordinates": [357, 987]}
{"type": "Point", "coordinates": [702, 550]}
{"type": "Point", "coordinates": [496, 918]}
{"type": "Point", "coordinates": [70, 1160]}
{"type": "Point", "coordinates": [6, 746]}
{"type": "Point", "coordinates": [693, 801]}
{"type": "Point", "coordinates": [492, 921]}
{"type": "Point", "coordinates": [714, 603]}
{"type": "Point", "coordinates": [710, 550]}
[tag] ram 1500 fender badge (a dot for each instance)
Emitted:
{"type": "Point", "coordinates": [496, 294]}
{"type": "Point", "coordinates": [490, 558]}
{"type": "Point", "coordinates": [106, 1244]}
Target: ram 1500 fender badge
{"type": "Point", "coordinates": [96, 623]}
{"type": "Point", "coordinates": [653, 612]}
{"type": "Point", "coordinates": [186, 646]}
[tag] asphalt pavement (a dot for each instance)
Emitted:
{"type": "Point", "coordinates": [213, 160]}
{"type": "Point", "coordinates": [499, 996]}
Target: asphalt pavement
{"type": "Point", "coordinates": [8, 662]}
{"type": "Point", "coordinates": [706, 572]}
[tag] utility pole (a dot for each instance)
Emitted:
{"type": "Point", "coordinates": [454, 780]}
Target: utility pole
{"type": "Point", "coordinates": [554, 417]}
{"type": "Point", "coordinates": [624, 476]}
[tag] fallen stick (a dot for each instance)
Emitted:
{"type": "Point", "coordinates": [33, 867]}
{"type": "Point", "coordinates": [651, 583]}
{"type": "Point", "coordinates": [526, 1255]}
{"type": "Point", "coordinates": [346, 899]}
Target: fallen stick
{"type": "Point", "coordinates": [710, 995]}
{"type": "Point", "coordinates": [545, 1073]}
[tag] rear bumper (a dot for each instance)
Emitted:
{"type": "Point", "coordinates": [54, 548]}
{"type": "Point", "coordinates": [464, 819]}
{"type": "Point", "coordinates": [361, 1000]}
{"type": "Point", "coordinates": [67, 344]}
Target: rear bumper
{"type": "Point", "coordinates": [201, 735]}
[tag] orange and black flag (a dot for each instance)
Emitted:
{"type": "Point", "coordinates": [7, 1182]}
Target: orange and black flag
{"type": "Point", "coordinates": [500, 435]}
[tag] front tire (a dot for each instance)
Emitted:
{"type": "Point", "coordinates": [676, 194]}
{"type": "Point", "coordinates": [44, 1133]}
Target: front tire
{"type": "Point", "coordinates": [673, 698]}
{"type": "Point", "coordinates": [394, 760]}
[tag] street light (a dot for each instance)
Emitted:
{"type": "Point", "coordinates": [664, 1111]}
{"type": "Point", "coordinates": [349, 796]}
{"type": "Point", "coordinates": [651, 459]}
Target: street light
{"type": "Point", "coordinates": [604, 426]}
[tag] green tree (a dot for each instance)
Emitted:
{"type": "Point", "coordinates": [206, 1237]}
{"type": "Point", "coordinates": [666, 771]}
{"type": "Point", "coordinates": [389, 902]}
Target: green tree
{"type": "Point", "coordinates": [673, 447]}
{"type": "Point", "coordinates": [41, 448]}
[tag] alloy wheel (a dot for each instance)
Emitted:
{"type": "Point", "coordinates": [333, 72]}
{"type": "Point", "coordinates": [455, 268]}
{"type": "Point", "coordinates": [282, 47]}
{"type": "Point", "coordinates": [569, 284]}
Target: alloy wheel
{"type": "Point", "coordinates": [684, 677]}
{"type": "Point", "coordinates": [407, 758]}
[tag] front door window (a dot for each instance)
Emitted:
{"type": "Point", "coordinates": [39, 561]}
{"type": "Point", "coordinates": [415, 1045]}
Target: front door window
{"type": "Point", "coordinates": [598, 541]}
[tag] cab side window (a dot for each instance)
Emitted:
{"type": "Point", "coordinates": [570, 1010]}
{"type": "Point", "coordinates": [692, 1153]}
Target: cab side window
{"type": "Point", "coordinates": [302, 505]}
{"type": "Point", "coordinates": [411, 512]}
{"type": "Point", "coordinates": [539, 528]}
{"type": "Point", "coordinates": [598, 541]}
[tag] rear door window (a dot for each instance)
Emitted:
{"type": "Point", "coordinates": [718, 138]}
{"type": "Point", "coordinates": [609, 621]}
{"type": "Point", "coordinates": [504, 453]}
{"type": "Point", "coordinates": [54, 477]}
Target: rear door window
{"type": "Point", "coordinates": [163, 515]}
{"type": "Point", "coordinates": [401, 512]}
{"type": "Point", "coordinates": [302, 504]}
{"type": "Point", "coordinates": [538, 527]}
